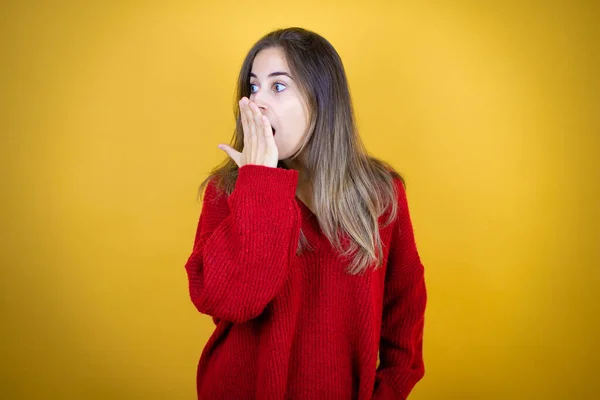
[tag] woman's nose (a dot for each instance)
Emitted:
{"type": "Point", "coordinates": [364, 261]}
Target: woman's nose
{"type": "Point", "coordinates": [257, 98]}
{"type": "Point", "coordinates": [259, 103]}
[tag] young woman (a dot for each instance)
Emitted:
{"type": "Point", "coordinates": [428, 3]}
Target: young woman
{"type": "Point", "coordinates": [304, 254]}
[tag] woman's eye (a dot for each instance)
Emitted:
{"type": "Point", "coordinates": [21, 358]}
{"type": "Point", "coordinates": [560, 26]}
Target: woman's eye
{"type": "Point", "coordinates": [280, 84]}
{"type": "Point", "coordinates": [251, 85]}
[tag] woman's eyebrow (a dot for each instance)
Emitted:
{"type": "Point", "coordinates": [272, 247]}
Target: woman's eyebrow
{"type": "Point", "coordinates": [253, 75]}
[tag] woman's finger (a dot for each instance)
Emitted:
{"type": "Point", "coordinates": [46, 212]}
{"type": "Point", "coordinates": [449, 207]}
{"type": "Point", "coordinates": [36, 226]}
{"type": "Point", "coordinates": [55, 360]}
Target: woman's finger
{"type": "Point", "coordinates": [251, 153]}
{"type": "Point", "coordinates": [260, 140]}
{"type": "Point", "coordinates": [235, 155]}
{"type": "Point", "coordinates": [268, 134]}
{"type": "Point", "coordinates": [243, 117]}
{"type": "Point", "coordinates": [245, 126]}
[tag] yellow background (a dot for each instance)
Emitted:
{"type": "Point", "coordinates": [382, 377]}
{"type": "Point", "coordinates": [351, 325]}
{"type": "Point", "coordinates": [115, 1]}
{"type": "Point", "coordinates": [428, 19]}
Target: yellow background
{"type": "Point", "coordinates": [110, 117]}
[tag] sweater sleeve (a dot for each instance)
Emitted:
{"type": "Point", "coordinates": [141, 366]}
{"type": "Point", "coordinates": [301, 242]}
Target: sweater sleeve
{"type": "Point", "coordinates": [405, 297]}
{"type": "Point", "coordinates": [244, 244]}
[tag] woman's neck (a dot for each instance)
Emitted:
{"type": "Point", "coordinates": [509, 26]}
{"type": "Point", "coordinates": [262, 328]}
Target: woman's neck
{"type": "Point", "coordinates": [303, 181]}
{"type": "Point", "coordinates": [304, 187]}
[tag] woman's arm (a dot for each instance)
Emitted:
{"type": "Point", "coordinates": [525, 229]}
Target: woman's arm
{"type": "Point", "coordinates": [244, 243]}
{"type": "Point", "coordinates": [405, 297]}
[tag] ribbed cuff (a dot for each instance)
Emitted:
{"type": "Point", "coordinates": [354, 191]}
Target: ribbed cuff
{"type": "Point", "coordinates": [263, 180]}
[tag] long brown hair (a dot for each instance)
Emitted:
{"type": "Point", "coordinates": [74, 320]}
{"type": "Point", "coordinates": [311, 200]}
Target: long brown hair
{"type": "Point", "coordinates": [351, 189]}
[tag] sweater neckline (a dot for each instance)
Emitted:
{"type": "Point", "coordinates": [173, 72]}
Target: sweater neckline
{"type": "Point", "coordinates": [313, 229]}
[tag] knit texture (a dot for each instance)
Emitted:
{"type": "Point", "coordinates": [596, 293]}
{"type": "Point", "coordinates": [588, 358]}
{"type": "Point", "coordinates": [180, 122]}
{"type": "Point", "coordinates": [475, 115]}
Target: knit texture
{"type": "Point", "coordinates": [300, 327]}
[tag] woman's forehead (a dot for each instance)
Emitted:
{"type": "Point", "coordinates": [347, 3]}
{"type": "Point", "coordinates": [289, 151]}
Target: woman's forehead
{"type": "Point", "coordinates": [268, 61]}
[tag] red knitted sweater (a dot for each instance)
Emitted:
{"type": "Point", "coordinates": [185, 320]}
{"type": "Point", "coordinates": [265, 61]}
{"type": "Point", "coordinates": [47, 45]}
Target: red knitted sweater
{"type": "Point", "coordinates": [300, 327]}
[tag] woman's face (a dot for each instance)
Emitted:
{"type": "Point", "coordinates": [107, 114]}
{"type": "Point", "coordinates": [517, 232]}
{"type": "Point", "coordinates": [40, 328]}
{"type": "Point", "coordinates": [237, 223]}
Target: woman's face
{"type": "Point", "coordinates": [276, 94]}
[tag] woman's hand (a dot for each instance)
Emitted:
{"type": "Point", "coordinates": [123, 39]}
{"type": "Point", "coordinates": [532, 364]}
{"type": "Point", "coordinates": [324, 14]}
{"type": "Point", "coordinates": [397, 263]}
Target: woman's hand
{"type": "Point", "coordinates": [259, 144]}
